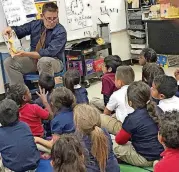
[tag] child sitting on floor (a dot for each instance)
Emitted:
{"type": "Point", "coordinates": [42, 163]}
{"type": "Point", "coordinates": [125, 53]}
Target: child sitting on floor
{"type": "Point", "coordinates": [147, 55]}
{"type": "Point", "coordinates": [31, 114]}
{"type": "Point", "coordinates": [17, 148]}
{"type": "Point", "coordinates": [169, 138]}
{"type": "Point", "coordinates": [140, 128]}
{"type": "Point", "coordinates": [71, 81]}
{"type": "Point", "coordinates": [68, 155]}
{"type": "Point", "coordinates": [164, 89]}
{"type": "Point", "coordinates": [62, 101]}
{"type": "Point", "coordinates": [46, 82]}
{"type": "Point", "coordinates": [118, 101]}
{"type": "Point", "coordinates": [97, 141]}
{"type": "Point", "coordinates": [111, 63]}
{"type": "Point", "coordinates": [150, 71]}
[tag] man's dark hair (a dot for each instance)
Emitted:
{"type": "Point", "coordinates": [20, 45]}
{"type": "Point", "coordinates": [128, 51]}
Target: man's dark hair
{"type": "Point", "coordinates": [49, 6]}
{"type": "Point", "coordinates": [62, 97]}
{"type": "Point", "coordinates": [47, 82]}
{"type": "Point", "coordinates": [150, 71]}
{"type": "Point", "coordinates": [16, 93]}
{"type": "Point", "coordinates": [169, 129]}
{"type": "Point", "coordinates": [166, 85]}
{"type": "Point", "coordinates": [125, 74]}
{"type": "Point", "coordinates": [8, 112]}
{"type": "Point", "coordinates": [149, 54]}
{"type": "Point", "coordinates": [112, 61]}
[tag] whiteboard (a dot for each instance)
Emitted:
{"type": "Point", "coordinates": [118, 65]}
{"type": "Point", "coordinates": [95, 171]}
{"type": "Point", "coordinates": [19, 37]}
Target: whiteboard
{"type": "Point", "coordinates": [112, 12]}
{"type": "Point", "coordinates": [3, 23]}
{"type": "Point", "coordinates": [80, 17]}
{"type": "Point", "coordinates": [77, 18]}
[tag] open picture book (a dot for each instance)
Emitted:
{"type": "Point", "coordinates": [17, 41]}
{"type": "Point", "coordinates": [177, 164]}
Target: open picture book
{"type": "Point", "coordinates": [13, 43]}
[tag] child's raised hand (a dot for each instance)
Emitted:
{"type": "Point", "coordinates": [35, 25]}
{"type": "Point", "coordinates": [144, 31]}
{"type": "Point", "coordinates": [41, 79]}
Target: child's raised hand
{"type": "Point", "coordinates": [42, 95]}
{"type": "Point", "coordinates": [176, 73]}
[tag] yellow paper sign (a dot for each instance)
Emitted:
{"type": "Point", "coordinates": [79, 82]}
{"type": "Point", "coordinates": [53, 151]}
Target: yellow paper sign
{"type": "Point", "coordinates": [39, 6]}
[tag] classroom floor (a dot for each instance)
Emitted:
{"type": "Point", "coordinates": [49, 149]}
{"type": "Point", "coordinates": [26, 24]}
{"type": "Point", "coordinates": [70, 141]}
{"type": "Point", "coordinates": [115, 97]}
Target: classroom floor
{"type": "Point", "coordinates": [95, 89]}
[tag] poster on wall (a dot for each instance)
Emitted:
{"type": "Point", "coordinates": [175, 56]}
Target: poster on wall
{"type": "Point", "coordinates": [14, 12]}
{"type": "Point", "coordinates": [79, 14]}
{"type": "Point", "coordinates": [29, 7]}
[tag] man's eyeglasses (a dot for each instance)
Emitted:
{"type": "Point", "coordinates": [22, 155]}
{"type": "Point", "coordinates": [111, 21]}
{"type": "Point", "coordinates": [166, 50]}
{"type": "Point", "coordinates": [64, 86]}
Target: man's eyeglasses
{"type": "Point", "coordinates": [51, 19]}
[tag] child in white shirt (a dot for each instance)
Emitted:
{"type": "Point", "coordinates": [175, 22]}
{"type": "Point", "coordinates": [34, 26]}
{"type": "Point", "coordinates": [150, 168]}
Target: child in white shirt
{"type": "Point", "coordinates": [164, 89]}
{"type": "Point", "coordinates": [118, 101]}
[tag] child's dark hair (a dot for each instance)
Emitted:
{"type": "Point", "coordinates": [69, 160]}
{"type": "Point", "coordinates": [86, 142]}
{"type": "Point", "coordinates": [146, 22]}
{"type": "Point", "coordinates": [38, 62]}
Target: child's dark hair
{"type": "Point", "coordinates": [16, 93]}
{"type": "Point", "coordinates": [166, 85]}
{"type": "Point", "coordinates": [125, 74]}
{"type": "Point", "coordinates": [49, 6]}
{"type": "Point", "coordinates": [71, 78]}
{"type": "Point", "coordinates": [67, 154]}
{"type": "Point", "coordinates": [149, 54]}
{"type": "Point", "coordinates": [112, 61]}
{"type": "Point", "coordinates": [150, 71]}
{"type": "Point", "coordinates": [46, 81]}
{"type": "Point", "coordinates": [139, 94]}
{"type": "Point", "coordinates": [62, 97]}
{"type": "Point", "coordinates": [169, 129]}
{"type": "Point", "coordinates": [8, 112]}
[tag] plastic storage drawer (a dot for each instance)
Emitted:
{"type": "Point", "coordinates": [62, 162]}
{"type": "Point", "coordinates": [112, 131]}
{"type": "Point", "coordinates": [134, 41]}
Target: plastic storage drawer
{"type": "Point", "coordinates": [135, 15]}
{"type": "Point", "coordinates": [137, 27]}
{"type": "Point", "coordinates": [138, 41]}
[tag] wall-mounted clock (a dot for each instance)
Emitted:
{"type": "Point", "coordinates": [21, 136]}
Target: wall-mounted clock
{"type": "Point", "coordinates": [77, 7]}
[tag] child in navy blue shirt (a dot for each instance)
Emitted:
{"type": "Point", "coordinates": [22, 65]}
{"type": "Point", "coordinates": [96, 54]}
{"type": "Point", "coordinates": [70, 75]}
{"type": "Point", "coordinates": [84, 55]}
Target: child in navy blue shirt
{"type": "Point", "coordinates": [17, 148]}
{"type": "Point", "coordinates": [141, 128]}
{"type": "Point", "coordinates": [96, 140]}
{"type": "Point", "coordinates": [71, 81]}
{"type": "Point", "coordinates": [62, 101]}
{"type": "Point", "coordinates": [68, 154]}
{"type": "Point", "coordinates": [46, 82]}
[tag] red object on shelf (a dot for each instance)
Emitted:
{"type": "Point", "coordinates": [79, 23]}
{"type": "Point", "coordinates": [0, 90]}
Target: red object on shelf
{"type": "Point", "coordinates": [98, 64]}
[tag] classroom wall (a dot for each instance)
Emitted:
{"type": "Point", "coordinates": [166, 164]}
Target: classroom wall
{"type": "Point", "coordinates": [121, 44]}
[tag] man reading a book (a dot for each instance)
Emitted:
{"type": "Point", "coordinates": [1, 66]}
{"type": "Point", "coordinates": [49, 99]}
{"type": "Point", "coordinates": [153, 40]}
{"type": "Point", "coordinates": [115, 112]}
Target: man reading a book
{"type": "Point", "coordinates": [47, 46]}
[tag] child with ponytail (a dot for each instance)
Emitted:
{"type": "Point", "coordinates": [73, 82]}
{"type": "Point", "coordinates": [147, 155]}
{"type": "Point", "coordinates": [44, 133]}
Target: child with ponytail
{"type": "Point", "coordinates": [71, 81]}
{"type": "Point", "coordinates": [141, 128]}
{"type": "Point", "coordinates": [97, 140]}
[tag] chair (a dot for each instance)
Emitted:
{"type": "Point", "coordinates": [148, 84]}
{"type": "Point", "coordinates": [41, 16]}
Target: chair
{"type": "Point", "coordinates": [34, 77]}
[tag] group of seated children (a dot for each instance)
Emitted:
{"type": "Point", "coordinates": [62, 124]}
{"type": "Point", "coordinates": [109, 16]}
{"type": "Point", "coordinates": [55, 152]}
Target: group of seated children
{"type": "Point", "coordinates": [142, 115]}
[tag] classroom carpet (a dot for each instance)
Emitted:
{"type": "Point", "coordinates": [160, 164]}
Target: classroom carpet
{"type": "Point", "coordinates": [45, 166]}
{"type": "Point", "coordinates": [130, 168]}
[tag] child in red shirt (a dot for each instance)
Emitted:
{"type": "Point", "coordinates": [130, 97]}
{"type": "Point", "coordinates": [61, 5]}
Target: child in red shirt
{"type": "Point", "coordinates": [32, 114]}
{"type": "Point", "coordinates": [169, 137]}
{"type": "Point", "coordinates": [111, 63]}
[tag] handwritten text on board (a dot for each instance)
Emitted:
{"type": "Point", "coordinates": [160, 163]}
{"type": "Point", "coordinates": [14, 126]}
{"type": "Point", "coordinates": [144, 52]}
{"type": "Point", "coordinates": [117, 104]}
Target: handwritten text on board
{"type": "Point", "coordinates": [14, 12]}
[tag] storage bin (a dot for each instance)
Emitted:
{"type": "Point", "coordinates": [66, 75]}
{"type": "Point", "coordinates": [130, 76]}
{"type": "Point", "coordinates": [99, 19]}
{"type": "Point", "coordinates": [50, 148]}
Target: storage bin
{"type": "Point", "coordinates": [134, 51]}
{"type": "Point", "coordinates": [135, 22]}
{"type": "Point", "coordinates": [137, 34]}
{"type": "Point", "coordinates": [138, 41]}
{"type": "Point", "coordinates": [135, 15]}
{"type": "Point", "coordinates": [98, 64]}
{"type": "Point", "coordinates": [137, 27]}
{"type": "Point", "coordinates": [137, 46]}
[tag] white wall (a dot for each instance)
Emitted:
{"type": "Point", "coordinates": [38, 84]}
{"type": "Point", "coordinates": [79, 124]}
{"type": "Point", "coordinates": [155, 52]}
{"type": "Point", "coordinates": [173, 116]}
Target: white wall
{"type": "Point", "coordinates": [121, 44]}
